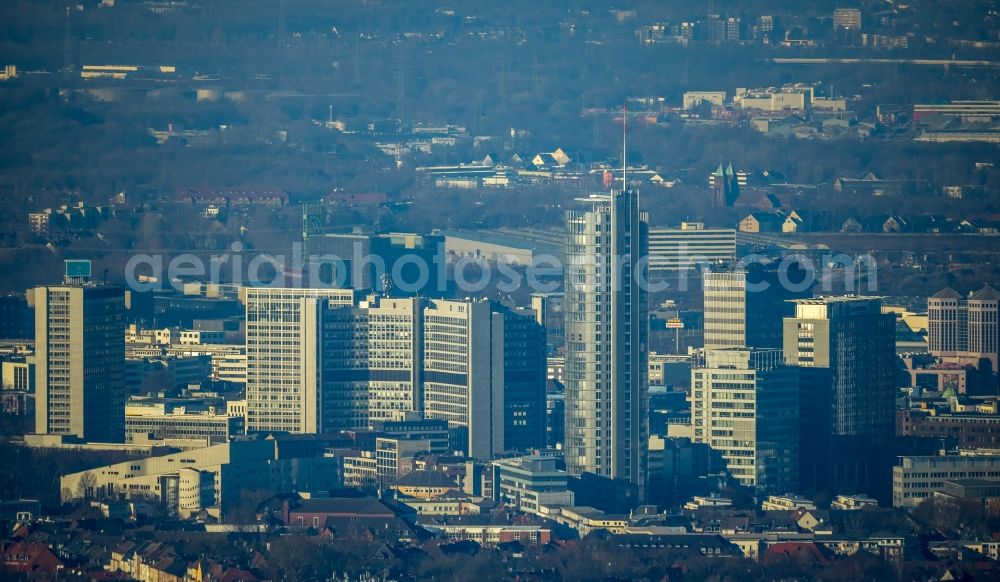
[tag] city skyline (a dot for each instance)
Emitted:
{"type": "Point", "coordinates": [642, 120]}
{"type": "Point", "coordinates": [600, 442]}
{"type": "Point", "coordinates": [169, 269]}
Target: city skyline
{"type": "Point", "coordinates": [332, 290]}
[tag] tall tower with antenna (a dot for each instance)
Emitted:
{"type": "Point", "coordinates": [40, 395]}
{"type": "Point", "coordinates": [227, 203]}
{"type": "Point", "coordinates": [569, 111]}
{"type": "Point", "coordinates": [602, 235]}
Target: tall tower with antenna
{"type": "Point", "coordinates": [607, 330]}
{"type": "Point", "coordinates": [400, 81]}
{"type": "Point", "coordinates": [357, 52]}
{"type": "Point", "coordinates": [624, 147]}
{"type": "Point", "coordinates": [280, 36]}
{"type": "Point", "coordinates": [68, 42]}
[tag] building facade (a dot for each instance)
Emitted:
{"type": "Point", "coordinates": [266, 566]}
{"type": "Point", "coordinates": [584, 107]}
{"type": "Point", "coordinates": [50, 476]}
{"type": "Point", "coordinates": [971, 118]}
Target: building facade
{"type": "Point", "coordinates": [847, 18]}
{"type": "Point", "coordinates": [548, 308]}
{"type": "Point", "coordinates": [524, 368]}
{"type": "Point", "coordinates": [915, 478]}
{"type": "Point", "coordinates": [744, 307]}
{"type": "Point", "coordinates": [143, 425]}
{"type": "Point", "coordinates": [80, 361]}
{"type": "Point", "coordinates": [845, 350]}
{"type": "Point", "coordinates": [464, 371]}
{"type": "Point", "coordinates": [744, 404]}
{"type": "Point", "coordinates": [682, 249]}
{"type": "Point", "coordinates": [964, 330]}
{"type": "Point", "coordinates": [606, 404]}
{"type": "Point", "coordinates": [337, 366]}
{"type": "Point", "coordinates": [964, 430]}
{"type": "Point", "coordinates": [210, 478]}
{"type": "Point", "coordinates": [283, 348]}
{"type": "Point", "coordinates": [530, 483]}
{"type": "Point", "coordinates": [372, 362]}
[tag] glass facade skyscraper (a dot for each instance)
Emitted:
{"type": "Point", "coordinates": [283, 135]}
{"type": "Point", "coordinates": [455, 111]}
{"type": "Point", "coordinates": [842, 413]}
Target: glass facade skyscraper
{"type": "Point", "coordinates": [607, 425]}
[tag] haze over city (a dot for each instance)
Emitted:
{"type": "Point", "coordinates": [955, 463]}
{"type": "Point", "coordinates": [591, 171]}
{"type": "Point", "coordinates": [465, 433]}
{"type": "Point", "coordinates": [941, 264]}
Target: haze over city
{"type": "Point", "coordinates": [365, 290]}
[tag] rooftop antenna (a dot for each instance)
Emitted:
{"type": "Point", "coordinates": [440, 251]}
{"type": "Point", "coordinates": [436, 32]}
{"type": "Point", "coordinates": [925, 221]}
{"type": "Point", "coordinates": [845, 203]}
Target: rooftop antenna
{"type": "Point", "coordinates": [68, 42]}
{"type": "Point", "coordinates": [281, 27]}
{"type": "Point", "coordinates": [624, 151]}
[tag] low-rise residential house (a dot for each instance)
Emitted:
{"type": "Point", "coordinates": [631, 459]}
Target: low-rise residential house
{"type": "Point", "coordinates": [810, 519]}
{"type": "Point", "coordinates": [761, 222]}
{"type": "Point", "coordinates": [353, 517]}
{"type": "Point", "coordinates": [545, 160]}
{"type": "Point", "coordinates": [150, 561]}
{"type": "Point", "coordinates": [758, 199]}
{"type": "Point", "coordinates": [796, 221]}
{"type": "Point", "coordinates": [872, 185]}
{"type": "Point", "coordinates": [990, 549]}
{"type": "Point", "coordinates": [895, 224]}
{"type": "Point", "coordinates": [29, 557]}
{"type": "Point", "coordinates": [801, 552]}
{"type": "Point", "coordinates": [852, 225]}
{"type": "Point", "coordinates": [223, 197]}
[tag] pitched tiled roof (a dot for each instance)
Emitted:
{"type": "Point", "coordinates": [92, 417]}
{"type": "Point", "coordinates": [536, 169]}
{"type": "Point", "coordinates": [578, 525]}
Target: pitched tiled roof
{"type": "Point", "coordinates": [804, 551]}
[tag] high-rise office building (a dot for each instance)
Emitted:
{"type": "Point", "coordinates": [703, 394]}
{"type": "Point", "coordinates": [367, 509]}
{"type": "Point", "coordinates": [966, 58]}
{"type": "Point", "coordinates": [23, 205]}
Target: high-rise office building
{"type": "Point", "coordinates": [372, 362]}
{"type": "Point", "coordinates": [744, 307]}
{"type": "Point", "coordinates": [464, 371]}
{"type": "Point", "coordinates": [412, 263]}
{"type": "Point", "coordinates": [316, 362]}
{"type": "Point", "coordinates": [284, 365]}
{"type": "Point", "coordinates": [548, 308]}
{"type": "Point", "coordinates": [845, 349]}
{"type": "Point", "coordinates": [606, 402]}
{"type": "Point", "coordinates": [964, 330]}
{"type": "Point", "coordinates": [345, 367]}
{"type": "Point", "coordinates": [744, 404]}
{"type": "Point", "coordinates": [681, 249]}
{"type": "Point", "coordinates": [947, 323]}
{"type": "Point", "coordinates": [525, 368]}
{"type": "Point", "coordinates": [984, 306]}
{"type": "Point", "coordinates": [17, 320]}
{"type": "Point", "coordinates": [80, 360]}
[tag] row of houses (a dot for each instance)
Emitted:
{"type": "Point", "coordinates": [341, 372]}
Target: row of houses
{"type": "Point", "coordinates": [797, 221]}
{"type": "Point", "coordinates": [78, 217]}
